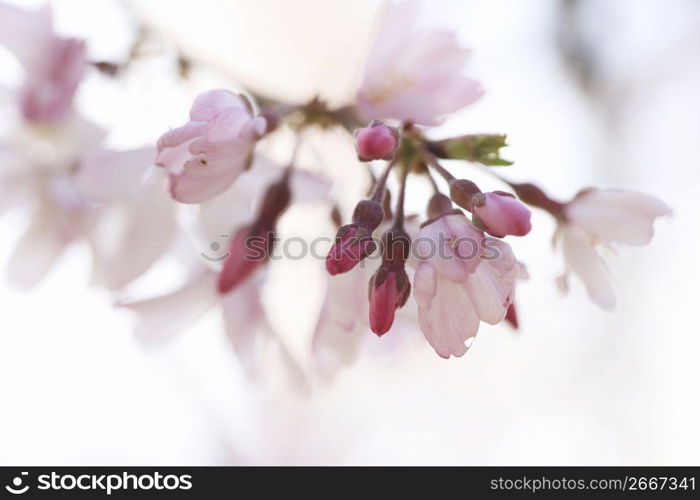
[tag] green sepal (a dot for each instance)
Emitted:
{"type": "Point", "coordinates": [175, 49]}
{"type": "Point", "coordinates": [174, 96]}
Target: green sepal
{"type": "Point", "coordinates": [479, 148]}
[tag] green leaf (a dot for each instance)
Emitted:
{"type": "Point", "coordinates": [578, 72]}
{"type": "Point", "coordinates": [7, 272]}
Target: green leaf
{"type": "Point", "coordinates": [479, 148]}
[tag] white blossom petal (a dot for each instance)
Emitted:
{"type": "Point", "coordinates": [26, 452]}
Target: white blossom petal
{"type": "Point", "coordinates": [582, 258]}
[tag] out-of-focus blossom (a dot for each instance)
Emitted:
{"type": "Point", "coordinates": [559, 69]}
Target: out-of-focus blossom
{"type": "Point", "coordinates": [161, 318]}
{"type": "Point", "coordinates": [53, 65]}
{"type": "Point", "coordinates": [342, 323]}
{"type": "Point", "coordinates": [456, 291]}
{"type": "Point", "coordinates": [230, 215]}
{"type": "Point", "coordinates": [74, 191]}
{"type": "Point", "coordinates": [53, 165]}
{"type": "Point", "coordinates": [376, 142]}
{"type": "Point", "coordinates": [414, 74]}
{"type": "Point", "coordinates": [206, 155]}
{"type": "Point", "coordinates": [604, 217]}
{"type": "Point", "coordinates": [134, 214]}
{"type": "Point", "coordinates": [501, 214]}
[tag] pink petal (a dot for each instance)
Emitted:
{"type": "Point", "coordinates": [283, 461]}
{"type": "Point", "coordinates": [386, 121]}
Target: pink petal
{"type": "Point", "coordinates": [208, 105]}
{"type": "Point", "coordinates": [445, 312]}
{"type": "Point", "coordinates": [452, 246]}
{"type": "Point", "coordinates": [491, 286]}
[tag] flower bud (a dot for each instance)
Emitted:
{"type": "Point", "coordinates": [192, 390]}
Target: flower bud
{"type": "Point", "coordinates": [501, 214]}
{"type": "Point", "coordinates": [352, 244]}
{"type": "Point", "coordinates": [376, 142]}
{"type": "Point", "coordinates": [368, 214]}
{"type": "Point", "coordinates": [389, 291]}
{"type": "Point", "coordinates": [250, 249]}
{"type": "Point", "coordinates": [389, 287]}
{"type": "Point", "coordinates": [275, 201]}
{"type": "Point", "coordinates": [462, 192]}
{"type": "Point", "coordinates": [438, 205]}
{"type": "Point", "coordinates": [251, 246]}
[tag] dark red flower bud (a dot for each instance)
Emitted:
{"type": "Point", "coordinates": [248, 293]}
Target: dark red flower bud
{"type": "Point", "coordinates": [252, 245]}
{"type": "Point", "coordinates": [352, 245]}
{"type": "Point", "coordinates": [353, 242]}
{"type": "Point", "coordinates": [368, 214]}
{"type": "Point", "coordinates": [389, 291]}
{"type": "Point", "coordinates": [512, 316]}
{"type": "Point", "coordinates": [250, 249]}
{"type": "Point", "coordinates": [389, 287]}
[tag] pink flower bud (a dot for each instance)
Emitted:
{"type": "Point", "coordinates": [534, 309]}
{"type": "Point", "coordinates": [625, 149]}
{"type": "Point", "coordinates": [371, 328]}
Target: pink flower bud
{"type": "Point", "coordinates": [250, 250]}
{"type": "Point", "coordinates": [352, 244]}
{"type": "Point", "coordinates": [388, 292]}
{"type": "Point", "coordinates": [501, 214]}
{"type": "Point", "coordinates": [376, 142]}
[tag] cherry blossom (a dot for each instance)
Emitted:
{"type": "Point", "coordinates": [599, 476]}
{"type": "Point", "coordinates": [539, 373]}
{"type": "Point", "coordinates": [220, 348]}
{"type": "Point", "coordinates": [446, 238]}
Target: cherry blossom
{"type": "Point", "coordinates": [414, 74]}
{"type": "Point", "coordinates": [604, 217]}
{"type": "Point", "coordinates": [206, 155]}
{"type": "Point", "coordinates": [54, 66]}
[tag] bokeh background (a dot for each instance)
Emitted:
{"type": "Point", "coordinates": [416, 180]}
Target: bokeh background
{"type": "Point", "coordinates": [589, 92]}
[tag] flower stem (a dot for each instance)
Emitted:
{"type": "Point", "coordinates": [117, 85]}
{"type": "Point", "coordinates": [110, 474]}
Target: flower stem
{"type": "Point", "coordinates": [432, 161]}
{"type": "Point", "coordinates": [380, 185]}
{"type": "Point", "coordinates": [398, 221]}
{"type": "Point", "coordinates": [436, 188]}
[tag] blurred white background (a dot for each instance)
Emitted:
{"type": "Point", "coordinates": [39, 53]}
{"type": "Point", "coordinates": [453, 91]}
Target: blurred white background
{"type": "Point", "coordinates": [590, 93]}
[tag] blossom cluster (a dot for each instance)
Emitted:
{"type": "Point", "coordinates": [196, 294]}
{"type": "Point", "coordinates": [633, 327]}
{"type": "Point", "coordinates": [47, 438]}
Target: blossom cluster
{"type": "Point", "coordinates": [413, 80]}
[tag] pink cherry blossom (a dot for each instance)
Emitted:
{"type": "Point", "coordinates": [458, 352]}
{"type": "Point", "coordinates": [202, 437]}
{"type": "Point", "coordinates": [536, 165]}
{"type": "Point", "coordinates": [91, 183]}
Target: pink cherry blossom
{"type": "Point", "coordinates": [451, 244]}
{"type": "Point", "coordinates": [376, 142]}
{"type": "Point", "coordinates": [452, 304]}
{"type": "Point", "coordinates": [53, 65]}
{"type": "Point", "coordinates": [502, 214]}
{"type": "Point", "coordinates": [245, 321]}
{"type": "Point", "coordinates": [604, 217]}
{"type": "Point", "coordinates": [74, 190]}
{"type": "Point", "coordinates": [414, 74]}
{"type": "Point", "coordinates": [206, 155]}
